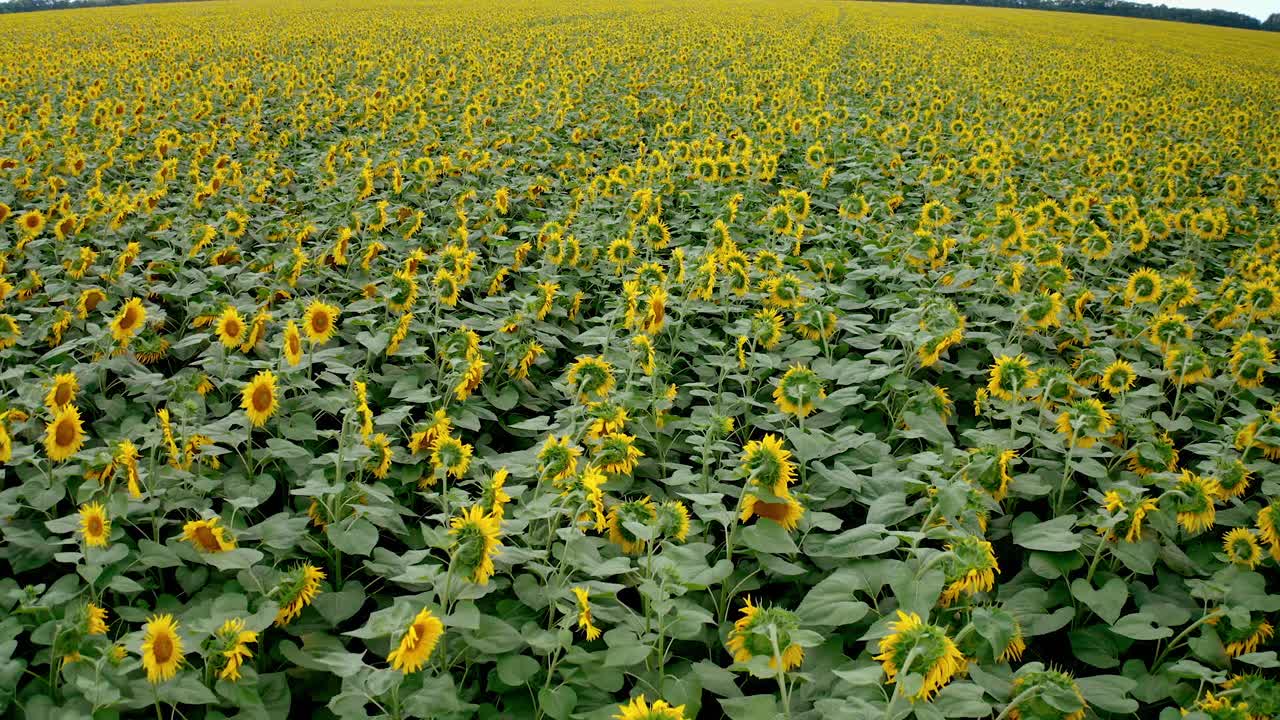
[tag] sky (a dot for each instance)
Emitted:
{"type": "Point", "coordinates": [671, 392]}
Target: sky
{"type": "Point", "coordinates": [1257, 8]}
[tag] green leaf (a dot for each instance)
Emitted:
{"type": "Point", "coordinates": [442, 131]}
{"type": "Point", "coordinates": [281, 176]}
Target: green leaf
{"type": "Point", "coordinates": [767, 536]}
{"type": "Point", "coordinates": [515, 670]}
{"type": "Point", "coordinates": [1051, 536]}
{"type": "Point", "coordinates": [357, 537]}
{"type": "Point", "coordinates": [750, 707]}
{"type": "Point", "coordinates": [1109, 692]}
{"type": "Point", "coordinates": [558, 703]}
{"type": "Point", "coordinates": [1140, 626]}
{"type": "Point", "coordinates": [1107, 602]}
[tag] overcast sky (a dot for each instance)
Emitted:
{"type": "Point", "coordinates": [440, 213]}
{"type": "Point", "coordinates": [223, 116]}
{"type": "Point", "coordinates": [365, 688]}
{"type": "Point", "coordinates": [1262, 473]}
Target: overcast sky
{"type": "Point", "coordinates": [1257, 8]}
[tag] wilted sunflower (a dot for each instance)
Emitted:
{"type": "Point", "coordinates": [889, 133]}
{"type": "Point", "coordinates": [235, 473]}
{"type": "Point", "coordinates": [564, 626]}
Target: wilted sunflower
{"type": "Point", "coordinates": [638, 709]}
{"type": "Point", "coordinates": [292, 343]}
{"type": "Point", "coordinates": [62, 392]}
{"type": "Point", "coordinates": [971, 569]}
{"type": "Point", "coordinates": [94, 524]}
{"type": "Point", "coordinates": [296, 589]}
{"type": "Point", "coordinates": [590, 378]}
{"type": "Point", "coordinates": [417, 643]}
{"type": "Point", "coordinates": [767, 463]}
{"type": "Point", "coordinates": [798, 391]}
{"type": "Point", "coordinates": [1046, 695]}
{"type": "Point", "coordinates": [1010, 376]}
{"type": "Point", "coordinates": [208, 535]}
{"type": "Point", "coordinates": [766, 632]}
{"type": "Point", "coordinates": [128, 321]}
{"type": "Point", "coordinates": [639, 511]}
{"type": "Point", "coordinates": [557, 460]}
{"type": "Point", "coordinates": [475, 543]}
{"type": "Point", "coordinates": [934, 655]}
{"type": "Point", "coordinates": [64, 436]}
{"type": "Point", "coordinates": [585, 622]}
{"type": "Point", "coordinates": [1136, 508]}
{"type": "Point", "coordinates": [161, 648]}
{"type": "Point", "coordinates": [1242, 548]}
{"type": "Point", "coordinates": [1193, 499]}
{"type": "Point", "coordinates": [1083, 422]}
{"type": "Point", "coordinates": [230, 327]}
{"type": "Point", "coordinates": [232, 643]}
{"type": "Point", "coordinates": [1239, 641]}
{"type": "Point", "coordinates": [259, 398]}
{"type": "Point", "coordinates": [320, 322]}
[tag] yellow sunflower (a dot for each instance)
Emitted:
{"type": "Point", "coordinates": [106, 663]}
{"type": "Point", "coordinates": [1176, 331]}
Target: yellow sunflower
{"type": "Point", "coordinates": [766, 632]}
{"type": "Point", "coordinates": [95, 526]}
{"type": "Point", "coordinates": [475, 543]}
{"type": "Point", "coordinates": [161, 648]}
{"type": "Point", "coordinates": [297, 588]}
{"type": "Point", "coordinates": [232, 642]}
{"type": "Point", "coordinates": [259, 398]}
{"type": "Point", "coordinates": [62, 392]}
{"type": "Point", "coordinates": [320, 322]}
{"type": "Point", "coordinates": [292, 343]}
{"type": "Point", "coordinates": [208, 535]}
{"type": "Point", "coordinates": [417, 643]}
{"type": "Point", "coordinates": [585, 622]}
{"type": "Point", "coordinates": [638, 709]}
{"type": "Point", "coordinates": [934, 655]}
{"type": "Point", "coordinates": [230, 327]}
{"type": "Point", "coordinates": [128, 321]}
{"type": "Point", "coordinates": [65, 435]}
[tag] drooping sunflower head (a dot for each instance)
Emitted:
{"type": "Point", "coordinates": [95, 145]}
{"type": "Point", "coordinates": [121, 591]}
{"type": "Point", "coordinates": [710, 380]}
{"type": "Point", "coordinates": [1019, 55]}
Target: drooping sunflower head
{"type": "Point", "coordinates": [768, 633]}
{"type": "Point", "coordinates": [799, 390]}
{"type": "Point", "coordinates": [162, 652]}
{"type": "Point", "coordinates": [1049, 695]}
{"type": "Point", "coordinates": [989, 468]}
{"type": "Point", "coordinates": [1193, 499]}
{"type": "Point", "coordinates": [475, 543]}
{"type": "Point", "coordinates": [641, 512]}
{"type": "Point", "coordinates": [936, 657]}
{"type": "Point", "coordinates": [450, 456]}
{"type": "Point", "coordinates": [557, 459]}
{"type": "Point", "coordinates": [673, 520]}
{"type": "Point", "coordinates": [292, 343]}
{"type": "Point", "coordinates": [971, 569]}
{"type": "Point", "coordinates": [616, 453]}
{"type": "Point", "coordinates": [1083, 422]}
{"type": "Point", "coordinates": [259, 398]}
{"type": "Point", "coordinates": [785, 510]}
{"type": "Point", "coordinates": [417, 643]}
{"type": "Point", "coordinates": [591, 378]}
{"type": "Point", "coordinates": [320, 322]}
{"type": "Point", "coordinates": [1010, 376]}
{"type": "Point", "coordinates": [1241, 547]}
{"type": "Point", "coordinates": [767, 464]}
{"type": "Point", "coordinates": [1246, 637]}
{"type": "Point", "coordinates": [766, 328]}
{"type": "Point", "coordinates": [296, 589]}
{"type": "Point", "coordinates": [1187, 364]}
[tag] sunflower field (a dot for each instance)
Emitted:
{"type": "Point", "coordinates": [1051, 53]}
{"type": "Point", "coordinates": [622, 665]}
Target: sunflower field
{"type": "Point", "coordinates": [637, 360]}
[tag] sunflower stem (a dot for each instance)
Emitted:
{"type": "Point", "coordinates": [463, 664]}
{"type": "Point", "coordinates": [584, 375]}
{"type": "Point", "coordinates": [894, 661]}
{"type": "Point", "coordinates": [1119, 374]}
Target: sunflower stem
{"type": "Point", "coordinates": [1066, 473]}
{"type": "Point", "coordinates": [1183, 635]}
{"type": "Point", "coordinates": [1013, 704]}
{"type": "Point", "coordinates": [782, 672]}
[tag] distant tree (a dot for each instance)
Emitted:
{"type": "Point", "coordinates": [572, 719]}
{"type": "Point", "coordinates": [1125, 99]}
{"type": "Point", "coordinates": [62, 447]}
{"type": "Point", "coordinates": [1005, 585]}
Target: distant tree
{"type": "Point", "coordinates": [1126, 8]}
{"type": "Point", "coordinates": [1272, 23]}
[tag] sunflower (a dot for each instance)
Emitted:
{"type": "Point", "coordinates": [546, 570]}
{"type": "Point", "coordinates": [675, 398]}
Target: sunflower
{"type": "Point", "coordinates": [161, 648]}
{"type": "Point", "coordinates": [95, 619]}
{"type": "Point", "coordinates": [88, 301]}
{"type": "Point", "coordinates": [95, 526]}
{"type": "Point", "coordinates": [230, 327]}
{"type": "Point", "coordinates": [638, 709]}
{"type": "Point", "coordinates": [529, 354]}
{"type": "Point", "coordinates": [1187, 364]}
{"type": "Point", "coordinates": [673, 520]}
{"type": "Point", "coordinates": [641, 512]}
{"type": "Point", "coordinates": [798, 391]}
{"type": "Point", "coordinates": [417, 643]}
{"type": "Point", "coordinates": [1046, 695]}
{"type": "Point", "coordinates": [62, 392]}
{"type": "Point", "coordinates": [1241, 641]}
{"type": "Point", "coordinates": [1154, 454]}
{"type": "Point", "coordinates": [292, 343]}
{"type": "Point", "coordinates": [208, 535]}
{"type": "Point", "coordinates": [64, 436]}
{"type": "Point", "coordinates": [475, 543]}
{"type": "Point", "coordinates": [786, 513]}
{"type": "Point", "coordinates": [988, 468]}
{"type": "Point", "coordinates": [1193, 499]}
{"type": "Point", "coordinates": [128, 321]}
{"type": "Point", "coordinates": [447, 287]}
{"type": "Point", "coordinates": [1251, 357]}
{"type": "Point", "coordinates": [766, 328]}
{"type": "Point", "coordinates": [380, 446]}
{"type": "Point", "coordinates": [766, 632]}
{"type": "Point", "coordinates": [297, 588]}
{"type": "Point", "coordinates": [934, 655]}
{"type": "Point", "coordinates": [767, 464]}
{"type": "Point", "coordinates": [616, 453]}
{"type": "Point", "coordinates": [557, 460]}
{"type": "Point", "coordinates": [259, 398]}
{"type": "Point", "coordinates": [591, 378]}
{"type": "Point", "coordinates": [1268, 523]}
{"type": "Point", "coordinates": [585, 622]}
{"type": "Point", "coordinates": [1083, 422]}
{"type": "Point", "coordinates": [1144, 286]}
{"type": "Point", "coordinates": [1233, 476]}
{"type": "Point", "coordinates": [1118, 377]}
{"type": "Point", "coordinates": [232, 643]}
{"type": "Point", "coordinates": [1009, 376]}
{"type": "Point", "coordinates": [437, 427]}
{"type": "Point", "coordinates": [971, 569]}
{"type": "Point", "coordinates": [1242, 548]}
{"type": "Point", "coordinates": [493, 498]}
{"type": "Point", "coordinates": [320, 322]}
{"type": "Point", "coordinates": [450, 456]}
{"type": "Point", "coordinates": [1044, 312]}
{"type": "Point", "coordinates": [1168, 329]}
{"type": "Point", "coordinates": [1224, 708]}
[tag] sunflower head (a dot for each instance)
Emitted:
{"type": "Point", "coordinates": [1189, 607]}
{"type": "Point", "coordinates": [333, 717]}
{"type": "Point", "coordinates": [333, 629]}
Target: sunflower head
{"type": "Point", "coordinates": [1193, 499]}
{"type": "Point", "coordinates": [1241, 547]}
{"type": "Point", "coordinates": [208, 535]}
{"type": "Point", "coordinates": [296, 589]}
{"type": "Point", "coordinates": [970, 569]}
{"type": "Point", "coordinates": [673, 520]}
{"type": "Point", "coordinates": [1049, 695]}
{"type": "Point", "coordinates": [1083, 422]}
{"type": "Point", "coordinates": [259, 398]}
{"type": "Point", "coordinates": [1144, 286]}
{"type": "Point", "coordinates": [320, 322]}
{"type": "Point", "coordinates": [417, 643]}
{"type": "Point", "coordinates": [799, 390]}
{"type": "Point", "coordinates": [638, 709]}
{"type": "Point", "coordinates": [475, 543]}
{"type": "Point", "coordinates": [1118, 377]}
{"type": "Point", "coordinates": [128, 321]}
{"type": "Point", "coordinates": [162, 651]}
{"type": "Point", "coordinates": [591, 378]}
{"type": "Point", "coordinates": [640, 512]}
{"type": "Point", "coordinates": [64, 436]}
{"type": "Point", "coordinates": [785, 510]}
{"type": "Point", "coordinates": [768, 633]}
{"type": "Point", "coordinates": [1010, 376]}
{"type": "Point", "coordinates": [616, 453]}
{"type": "Point", "coordinates": [989, 468]}
{"type": "Point", "coordinates": [934, 655]}
{"type": "Point", "coordinates": [767, 464]}
{"type": "Point", "coordinates": [557, 459]}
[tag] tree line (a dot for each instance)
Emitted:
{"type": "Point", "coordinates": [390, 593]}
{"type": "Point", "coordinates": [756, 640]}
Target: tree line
{"type": "Point", "coordinates": [1224, 18]}
{"type": "Point", "coordinates": [17, 6]}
